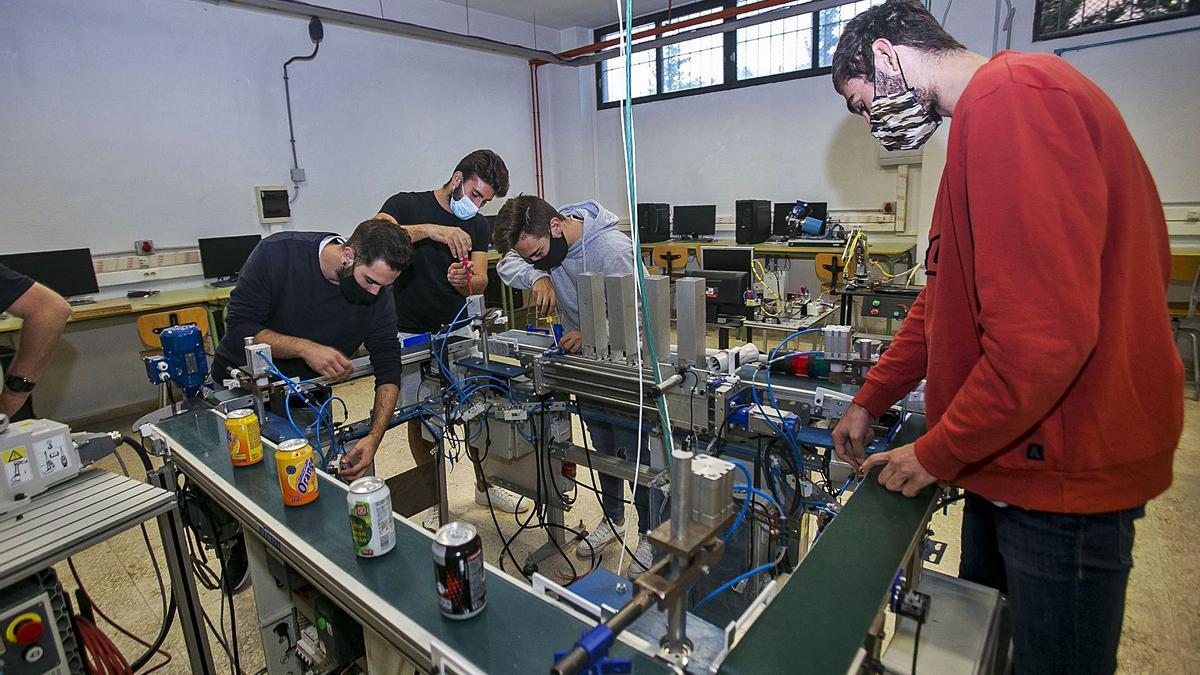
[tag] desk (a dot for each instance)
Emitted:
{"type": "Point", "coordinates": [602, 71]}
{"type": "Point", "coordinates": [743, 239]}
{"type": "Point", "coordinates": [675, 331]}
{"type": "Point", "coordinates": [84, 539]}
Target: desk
{"type": "Point", "coordinates": [163, 301]}
{"type": "Point", "coordinates": [890, 252]}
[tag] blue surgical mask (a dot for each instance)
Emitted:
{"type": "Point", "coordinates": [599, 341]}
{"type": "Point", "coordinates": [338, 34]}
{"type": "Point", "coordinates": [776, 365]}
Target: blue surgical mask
{"type": "Point", "coordinates": [463, 207]}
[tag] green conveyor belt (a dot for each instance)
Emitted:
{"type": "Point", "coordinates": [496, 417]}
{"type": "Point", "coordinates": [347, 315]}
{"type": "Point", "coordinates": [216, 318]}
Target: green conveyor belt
{"type": "Point", "coordinates": [516, 633]}
{"type": "Point", "coordinates": [819, 620]}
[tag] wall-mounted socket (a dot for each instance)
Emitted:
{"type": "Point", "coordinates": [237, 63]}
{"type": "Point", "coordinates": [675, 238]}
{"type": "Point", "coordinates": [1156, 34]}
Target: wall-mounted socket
{"type": "Point", "coordinates": [1193, 215]}
{"type": "Point", "coordinates": [143, 247]}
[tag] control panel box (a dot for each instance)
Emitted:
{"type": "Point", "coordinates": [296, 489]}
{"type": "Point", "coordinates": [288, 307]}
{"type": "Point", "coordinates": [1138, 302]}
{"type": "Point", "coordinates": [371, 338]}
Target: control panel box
{"type": "Point", "coordinates": [35, 635]}
{"type": "Point", "coordinates": [886, 306]}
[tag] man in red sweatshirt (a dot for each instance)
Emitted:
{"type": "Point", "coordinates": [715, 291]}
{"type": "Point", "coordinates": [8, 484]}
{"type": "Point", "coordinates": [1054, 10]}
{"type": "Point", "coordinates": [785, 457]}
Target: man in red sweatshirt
{"type": "Point", "coordinates": [1054, 393]}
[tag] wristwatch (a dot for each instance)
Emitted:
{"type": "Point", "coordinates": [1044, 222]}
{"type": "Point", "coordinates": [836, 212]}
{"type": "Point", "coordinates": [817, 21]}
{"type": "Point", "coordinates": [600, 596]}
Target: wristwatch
{"type": "Point", "coordinates": [18, 384]}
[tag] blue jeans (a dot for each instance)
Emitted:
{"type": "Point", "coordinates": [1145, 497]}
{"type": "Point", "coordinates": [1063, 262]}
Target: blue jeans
{"type": "Point", "coordinates": [1064, 575]}
{"type": "Point", "coordinates": [619, 441]}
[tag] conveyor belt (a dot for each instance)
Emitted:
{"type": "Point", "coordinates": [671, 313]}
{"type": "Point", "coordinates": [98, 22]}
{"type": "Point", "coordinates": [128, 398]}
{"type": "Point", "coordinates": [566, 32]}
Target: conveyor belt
{"type": "Point", "coordinates": [72, 516]}
{"type": "Point", "coordinates": [819, 620]}
{"type": "Point", "coordinates": [518, 632]}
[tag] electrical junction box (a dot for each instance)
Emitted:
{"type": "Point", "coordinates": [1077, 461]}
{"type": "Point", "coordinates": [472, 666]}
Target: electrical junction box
{"type": "Point", "coordinates": [272, 204]}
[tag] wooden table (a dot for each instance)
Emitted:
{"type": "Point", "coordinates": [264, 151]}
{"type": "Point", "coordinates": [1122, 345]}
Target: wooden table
{"type": "Point", "coordinates": [203, 295]}
{"type": "Point", "coordinates": [890, 252]}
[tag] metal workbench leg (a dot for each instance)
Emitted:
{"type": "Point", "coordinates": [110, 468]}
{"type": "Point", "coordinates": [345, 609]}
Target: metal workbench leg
{"type": "Point", "coordinates": [183, 586]}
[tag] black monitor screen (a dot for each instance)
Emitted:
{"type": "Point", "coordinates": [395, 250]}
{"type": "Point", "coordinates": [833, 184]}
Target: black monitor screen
{"type": "Point", "coordinates": [68, 272]}
{"type": "Point", "coordinates": [695, 220]}
{"type": "Point", "coordinates": [224, 256]}
{"type": "Point", "coordinates": [727, 258]}
{"type": "Point", "coordinates": [779, 219]}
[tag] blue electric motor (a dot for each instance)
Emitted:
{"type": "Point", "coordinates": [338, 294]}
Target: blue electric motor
{"type": "Point", "coordinates": [183, 360]}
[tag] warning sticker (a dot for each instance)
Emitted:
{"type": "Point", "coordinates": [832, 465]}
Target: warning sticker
{"type": "Point", "coordinates": [17, 468]}
{"type": "Point", "coordinates": [51, 455]}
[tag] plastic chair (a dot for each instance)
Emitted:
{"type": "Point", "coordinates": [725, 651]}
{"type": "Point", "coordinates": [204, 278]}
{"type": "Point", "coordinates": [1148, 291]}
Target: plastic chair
{"type": "Point", "coordinates": [667, 255]}
{"type": "Point", "coordinates": [1187, 268]}
{"type": "Point", "coordinates": [150, 325]}
{"type": "Point", "coordinates": [829, 270]}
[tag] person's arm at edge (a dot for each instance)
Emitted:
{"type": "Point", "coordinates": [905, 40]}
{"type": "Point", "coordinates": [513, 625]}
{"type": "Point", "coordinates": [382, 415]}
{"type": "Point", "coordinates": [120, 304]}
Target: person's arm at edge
{"type": "Point", "coordinates": [44, 315]}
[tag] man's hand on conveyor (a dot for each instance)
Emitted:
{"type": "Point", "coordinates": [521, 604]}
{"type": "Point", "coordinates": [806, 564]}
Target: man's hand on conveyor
{"type": "Point", "coordinates": [853, 433]}
{"type": "Point", "coordinates": [359, 459]}
{"type": "Point", "coordinates": [902, 471]}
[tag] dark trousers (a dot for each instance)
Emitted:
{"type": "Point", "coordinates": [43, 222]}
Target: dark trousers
{"type": "Point", "coordinates": [619, 441]}
{"type": "Point", "coordinates": [1064, 575]}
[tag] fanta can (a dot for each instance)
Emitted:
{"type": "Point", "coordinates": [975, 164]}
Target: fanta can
{"type": "Point", "coordinates": [297, 472]}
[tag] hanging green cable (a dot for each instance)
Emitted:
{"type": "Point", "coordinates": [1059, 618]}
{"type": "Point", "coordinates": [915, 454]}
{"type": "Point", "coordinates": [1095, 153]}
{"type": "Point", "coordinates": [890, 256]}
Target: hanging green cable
{"type": "Point", "coordinates": [652, 349]}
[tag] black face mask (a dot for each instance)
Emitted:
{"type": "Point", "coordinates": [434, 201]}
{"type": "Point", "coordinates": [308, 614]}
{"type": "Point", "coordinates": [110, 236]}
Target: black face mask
{"type": "Point", "coordinates": [352, 291]}
{"type": "Point", "coordinates": [554, 257]}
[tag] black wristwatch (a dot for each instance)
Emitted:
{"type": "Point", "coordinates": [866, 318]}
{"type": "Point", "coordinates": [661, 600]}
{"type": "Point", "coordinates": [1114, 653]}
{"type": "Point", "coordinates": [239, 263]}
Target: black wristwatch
{"type": "Point", "coordinates": [18, 384]}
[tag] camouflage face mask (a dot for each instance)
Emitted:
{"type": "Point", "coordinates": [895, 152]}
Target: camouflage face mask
{"type": "Point", "coordinates": [899, 121]}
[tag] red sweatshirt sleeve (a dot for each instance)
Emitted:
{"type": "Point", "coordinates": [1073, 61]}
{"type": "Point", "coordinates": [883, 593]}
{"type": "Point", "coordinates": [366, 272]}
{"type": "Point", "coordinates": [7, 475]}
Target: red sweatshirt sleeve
{"type": "Point", "coordinates": [1036, 197]}
{"type": "Point", "coordinates": [902, 365]}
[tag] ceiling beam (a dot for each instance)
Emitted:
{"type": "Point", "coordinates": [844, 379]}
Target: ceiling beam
{"type": "Point", "coordinates": [342, 17]}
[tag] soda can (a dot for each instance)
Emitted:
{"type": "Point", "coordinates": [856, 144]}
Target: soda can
{"type": "Point", "coordinates": [371, 523]}
{"type": "Point", "coordinates": [458, 568]}
{"type": "Point", "coordinates": [297, 472]}
{"type": "Point", "coordinates": [245, 439]}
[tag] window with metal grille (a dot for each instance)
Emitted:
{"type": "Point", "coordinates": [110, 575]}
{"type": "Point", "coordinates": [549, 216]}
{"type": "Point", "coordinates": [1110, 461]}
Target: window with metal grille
{"type": "Point", "coordinates": [786, 48]}
{"type": "Point", "coordinates": [781, 46]}
{"type": "Point", "coordinates": [693, 63]}
{"type": "Point", "coordinates": [645, 71]}
{"type": "Point", "coordinates": [1058, 18]}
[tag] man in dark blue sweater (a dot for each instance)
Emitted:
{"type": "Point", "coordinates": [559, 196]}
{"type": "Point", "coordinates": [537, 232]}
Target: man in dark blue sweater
{"type": "Point", "coordinates": [316, 298]}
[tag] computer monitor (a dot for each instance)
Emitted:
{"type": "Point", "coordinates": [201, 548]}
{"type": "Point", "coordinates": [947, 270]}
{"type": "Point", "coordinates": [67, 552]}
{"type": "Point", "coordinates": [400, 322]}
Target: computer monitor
{"type": "Point", "coordinates": [223, 257]}
{"type": "Point", "coordinates": [69, 272]}
{"type": "Point", "coordinates": [695, 221]}
{"type": "Point", "coordinates": [813, 217]}
{"type": "Point", "coordinates": [779, 224]}
{"type": "Point", "coordinates": [725, 294]}
{"type": "Point", "coordinates": [727, 258]}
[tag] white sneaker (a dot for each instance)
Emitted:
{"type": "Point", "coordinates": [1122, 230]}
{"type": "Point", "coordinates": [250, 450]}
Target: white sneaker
{"type": "Point", "coordinates": [642, 559]}
{"type": "Point", "coordinates": [431, 522]}
{"type": "Point", "coordinates": [502, 500]}
{"type": "Point", "coordinates": [598, 539]}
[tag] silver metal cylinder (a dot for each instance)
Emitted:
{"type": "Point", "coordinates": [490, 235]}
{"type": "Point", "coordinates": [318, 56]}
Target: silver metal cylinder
{"type": "Point", "coordinates": [681, 507]}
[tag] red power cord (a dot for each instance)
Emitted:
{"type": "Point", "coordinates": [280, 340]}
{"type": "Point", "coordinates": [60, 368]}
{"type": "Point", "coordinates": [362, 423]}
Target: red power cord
{"type": "Point", "coordinates": [98, 646]}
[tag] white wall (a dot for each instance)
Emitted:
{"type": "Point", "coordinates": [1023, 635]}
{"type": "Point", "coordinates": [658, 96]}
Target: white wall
{"type": "Point", "coordinates": [131, 119]}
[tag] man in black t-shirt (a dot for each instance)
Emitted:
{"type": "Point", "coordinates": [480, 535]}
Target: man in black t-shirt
{"type": "Point", "coordinates": [450, 242]}
{"type": "Point", "coordinates": [44, 314]}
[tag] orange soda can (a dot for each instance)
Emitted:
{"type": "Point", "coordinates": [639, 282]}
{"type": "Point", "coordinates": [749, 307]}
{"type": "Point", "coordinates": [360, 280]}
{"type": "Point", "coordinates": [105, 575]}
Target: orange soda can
{"type": "Point", "coordinates": [245, 439]}
{"type": "Point", "coordinates": [297, 472]}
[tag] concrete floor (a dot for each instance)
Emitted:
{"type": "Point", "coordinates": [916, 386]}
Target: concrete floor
{"type": "Point", "coordinates": [1162, 624]}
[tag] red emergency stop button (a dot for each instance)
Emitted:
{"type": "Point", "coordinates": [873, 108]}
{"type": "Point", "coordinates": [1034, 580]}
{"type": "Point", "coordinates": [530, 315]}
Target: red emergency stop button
{"type": "Point", "coordinates": [28, 631]}
{"type": "Point", "coordinates": [874, 311]}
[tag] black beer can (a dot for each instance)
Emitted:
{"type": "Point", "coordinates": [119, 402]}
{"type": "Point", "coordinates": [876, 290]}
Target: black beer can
{"type": "Point", "coordinates": [458, 567]}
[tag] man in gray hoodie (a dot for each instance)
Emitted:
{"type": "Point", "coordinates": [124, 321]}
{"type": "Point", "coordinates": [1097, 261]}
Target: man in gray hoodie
{"type": "Point", "coordinates": [545, 250]}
